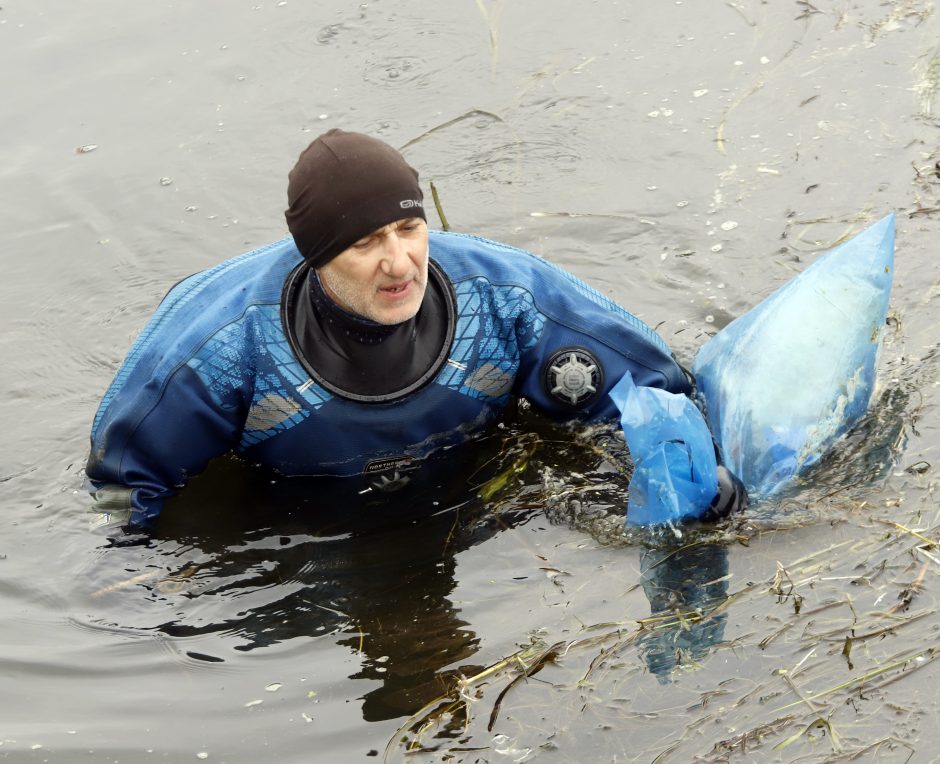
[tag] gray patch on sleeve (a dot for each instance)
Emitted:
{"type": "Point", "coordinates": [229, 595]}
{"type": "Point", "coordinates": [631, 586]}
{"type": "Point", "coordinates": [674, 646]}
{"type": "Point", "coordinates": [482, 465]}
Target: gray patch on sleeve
{"type": "Point", "coordinates": [270, 411]}
{"type": "Point", "coordinates": [112, 498]}
{"type": "Point", "coordinates": [490, 380]}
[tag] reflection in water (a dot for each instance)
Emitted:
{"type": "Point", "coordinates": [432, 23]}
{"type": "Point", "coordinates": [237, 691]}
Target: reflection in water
{"type": "Point", "coordinates": [683, 586]}
{"type": "Point", "coordinates": [386, 592]}
{"type": "Point", "coordinates": [409, 631]}
{"type": "Point", "coordinates": [259, 560]}
{"type": "Point", "coordinates": [380, 577]}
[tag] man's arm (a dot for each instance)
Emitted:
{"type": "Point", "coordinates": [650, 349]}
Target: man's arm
{"type": "Point", "coordinates": [178, 400]}
{"type": "Point", "coordinates": [586, 346]}
{"type": "Point", "coordinates": [152, 437]}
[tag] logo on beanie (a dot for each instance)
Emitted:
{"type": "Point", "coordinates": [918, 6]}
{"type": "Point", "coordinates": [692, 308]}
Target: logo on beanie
{"type": "Point", "coordinates": [407, 204]}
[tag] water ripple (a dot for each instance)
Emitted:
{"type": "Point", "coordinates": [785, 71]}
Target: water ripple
{"type": "Point", "coordinates": [396, 70]}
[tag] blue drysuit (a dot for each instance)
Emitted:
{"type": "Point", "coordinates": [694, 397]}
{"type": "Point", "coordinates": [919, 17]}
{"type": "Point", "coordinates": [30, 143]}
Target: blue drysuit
{"type": "Point", "coordinates": [213, 372]}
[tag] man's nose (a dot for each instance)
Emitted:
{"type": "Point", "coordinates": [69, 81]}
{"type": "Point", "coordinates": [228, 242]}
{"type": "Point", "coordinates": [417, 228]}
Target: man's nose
{"type": "Point", "coordinates": [394, 255]}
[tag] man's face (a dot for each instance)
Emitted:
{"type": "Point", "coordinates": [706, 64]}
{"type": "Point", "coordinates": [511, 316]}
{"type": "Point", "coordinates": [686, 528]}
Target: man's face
{"type": "Point", "coordinates": [382, 276]}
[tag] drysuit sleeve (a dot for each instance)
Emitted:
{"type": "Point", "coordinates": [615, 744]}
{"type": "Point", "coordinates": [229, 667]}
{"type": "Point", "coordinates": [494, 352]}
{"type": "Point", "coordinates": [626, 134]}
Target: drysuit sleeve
{"type": "Point", "coordinates": [589, 358]}
{"type": "Point", "coordinates": [152, 439]}
{"type": "Point", "coordinates": [178, 401]}
{"type": "Point", "coordinates": [577, 344]}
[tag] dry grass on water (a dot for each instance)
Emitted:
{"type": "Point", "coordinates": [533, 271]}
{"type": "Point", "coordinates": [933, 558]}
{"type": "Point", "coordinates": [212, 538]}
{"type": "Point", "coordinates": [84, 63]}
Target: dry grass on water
{"type": "Point", "coordinates": [854, 614]}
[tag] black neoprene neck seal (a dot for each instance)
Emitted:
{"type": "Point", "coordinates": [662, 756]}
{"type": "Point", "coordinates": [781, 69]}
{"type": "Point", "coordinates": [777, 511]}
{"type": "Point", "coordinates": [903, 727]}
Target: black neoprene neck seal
{"type": "Point", "coordinates": [343, 322]}
{"type": "Point", "coordinates": [358, 359]}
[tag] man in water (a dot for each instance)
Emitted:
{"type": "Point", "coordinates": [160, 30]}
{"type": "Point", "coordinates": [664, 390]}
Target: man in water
{"type": "Point", "coordinates": [359, 345]}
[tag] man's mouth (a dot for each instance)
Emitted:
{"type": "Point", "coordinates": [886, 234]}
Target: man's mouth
{"type": "Point", "coordinates": [395, 289]}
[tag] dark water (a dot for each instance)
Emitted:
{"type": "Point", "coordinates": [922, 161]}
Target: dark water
{"type": "Point", "coordinates": [686, 159]}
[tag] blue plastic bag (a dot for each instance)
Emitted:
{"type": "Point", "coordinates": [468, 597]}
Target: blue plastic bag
{"type": "Point", "coordinates": [674, 467]}
{"type": "Point", "coordinates": [786, 380]}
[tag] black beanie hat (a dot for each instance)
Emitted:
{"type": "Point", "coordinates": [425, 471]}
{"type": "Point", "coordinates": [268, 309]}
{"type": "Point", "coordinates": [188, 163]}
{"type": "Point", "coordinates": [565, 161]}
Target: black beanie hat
{"type": "Point", "coordinates": [343, 187]}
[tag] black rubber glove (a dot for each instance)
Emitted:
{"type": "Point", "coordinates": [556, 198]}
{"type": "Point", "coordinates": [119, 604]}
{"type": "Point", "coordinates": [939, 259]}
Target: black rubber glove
{"type": "Point", "coordinates": [731, 496]}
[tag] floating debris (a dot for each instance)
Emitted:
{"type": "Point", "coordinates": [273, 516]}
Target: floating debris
{"type": "Point", "coordinates": [440, 209]}
{"type": "Point", "coordinates": [273, 687]}
{"type": "Point", "coordinates": [472, 114]}
{"type": "Point", "coordinates": [127, 582]}
{"type": "Point", "coordinates": [166, 181]}
{"type": "Point", "coordinates": [86, 148]}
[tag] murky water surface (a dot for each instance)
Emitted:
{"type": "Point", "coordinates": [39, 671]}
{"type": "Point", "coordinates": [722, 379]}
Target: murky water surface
{"type": "Point", "coordinates": [684, 157]}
